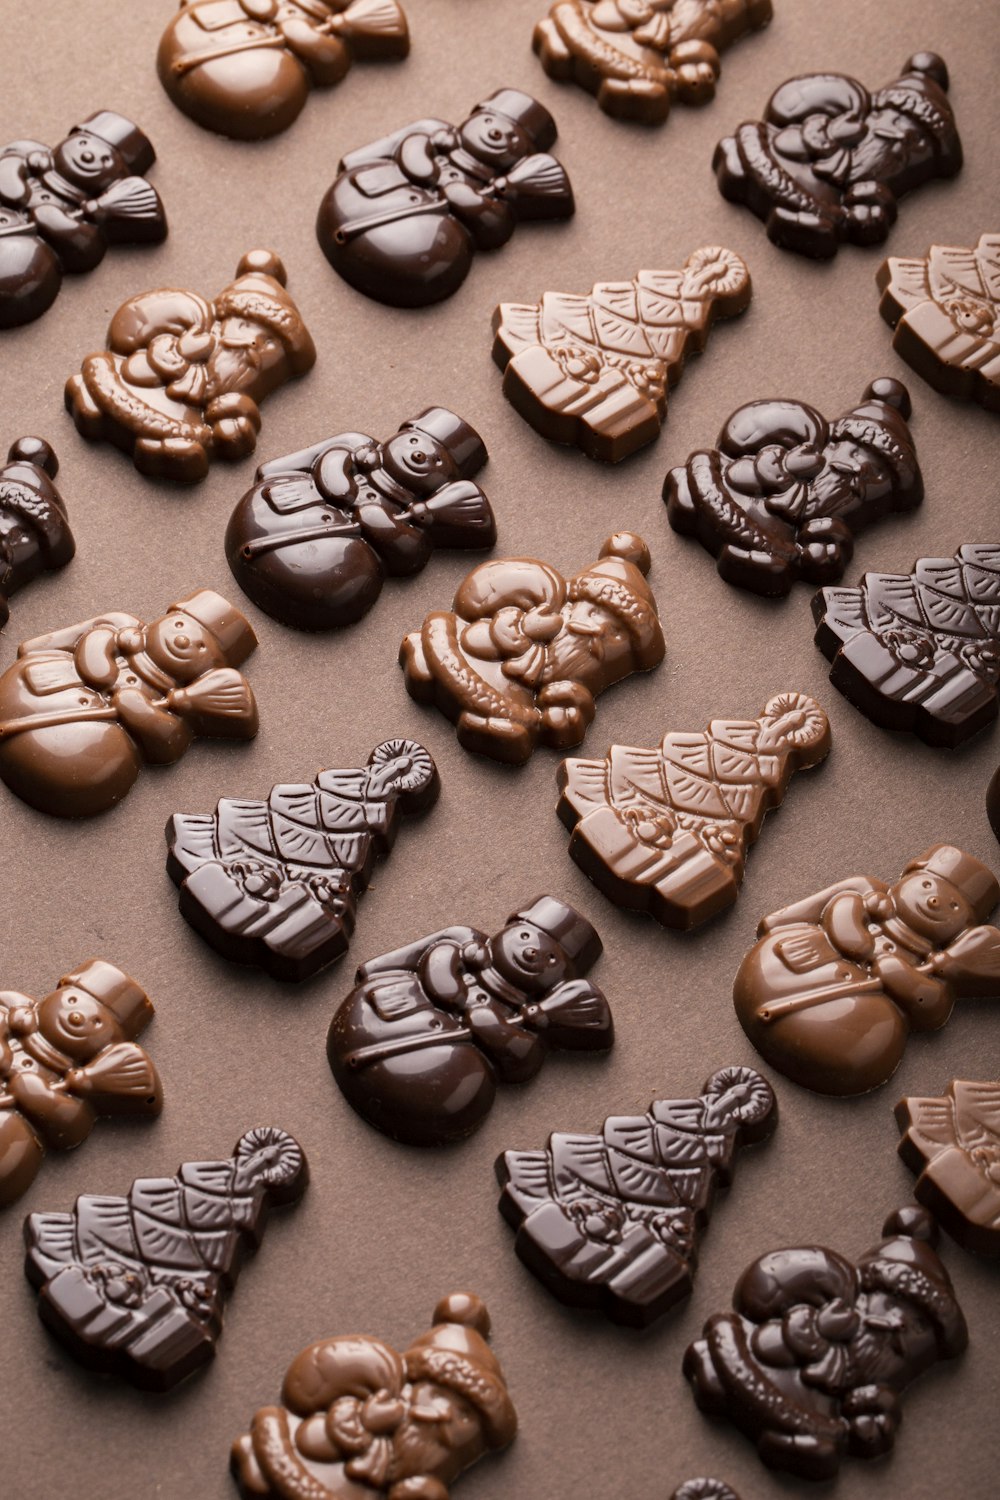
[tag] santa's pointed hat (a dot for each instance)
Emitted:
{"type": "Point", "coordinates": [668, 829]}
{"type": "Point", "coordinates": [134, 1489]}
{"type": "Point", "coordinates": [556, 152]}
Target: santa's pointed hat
{"type": "Point", "coordinates": [258, 294]}
{"type": "Point", "coordinates": [455, 1355]}
{"type": "Point", "coordinates": [906, 1266]}
{"type": "Point", "coordinates": [617, 583]}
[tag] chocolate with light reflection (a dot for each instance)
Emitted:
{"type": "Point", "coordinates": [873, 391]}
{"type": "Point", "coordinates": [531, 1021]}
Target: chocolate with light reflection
{"type": "Point", "coordinates": [811, 1363]}
{"type": "Point", "coordinates": [136, 1286]}
{"type": "Point", "coordinates": [420, 1044]}
{"type": "Point", "coordinates": [34, 532]}
{"type": "Point", "coordinates": [704, 1489]}
{"type": "Point", "coordinates": [245, 68]}
{"type": "Point", "coordinates": [276, 883]}
{"type": "Point", "coordinates": [667, 831]}
{"type": "Point", "coordinates": [952, 1143]}
{"type": "Point", "coordinates": [612, 1221]}
{"type": "Point", "coordinates": [837, 981]}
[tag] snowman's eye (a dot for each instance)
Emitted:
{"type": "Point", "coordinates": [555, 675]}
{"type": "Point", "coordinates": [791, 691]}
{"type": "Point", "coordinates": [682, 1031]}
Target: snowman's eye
{"type": "Point", "coordinates": [926, 885]}
{"type": "Point", "coordinates": [525, 936]}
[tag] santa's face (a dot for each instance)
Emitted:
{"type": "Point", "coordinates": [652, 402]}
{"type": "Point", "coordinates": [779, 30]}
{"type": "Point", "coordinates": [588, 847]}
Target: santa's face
{"type": "Point", "coordinates": [88, 161]}
{"type": "Point", "coordinates": [528, 957]}
{"type": "Point", "coordinates": [182, 647]}
{"type": "Point", "coordinates": [242, 350]}
{"type": "Point", "coordinates": [418, 462]}
{"type": "Point", "coordinates": [894, 1342]}
{"type": "Point", "coordinates": [441, 1435]}
{"type": "Point", "coordinates": [844, 475]}
{"type": "Point", "coordinates": [891, 144]}
{"type": "Point", "coordinates": [494, 140]}
{"type": "Point", "coordinates": [593, 645]}
{"type": "Point", "coordinates": [76, 1023]}
{"type": "Point", "coordinates": [932, 906]}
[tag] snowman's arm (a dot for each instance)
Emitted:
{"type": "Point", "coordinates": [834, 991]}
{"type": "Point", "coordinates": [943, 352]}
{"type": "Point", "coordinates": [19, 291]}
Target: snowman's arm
{"type": "Point", "coordinates": [386, 148]}
{"type": "Point", "coordinates": [409, 956]}
{"type": "Point", "coordinates": [811, 908]}
{"type": "Point", "coordinates": [70, 636]}
{"type": "Point", "coordinates": [302, 462]}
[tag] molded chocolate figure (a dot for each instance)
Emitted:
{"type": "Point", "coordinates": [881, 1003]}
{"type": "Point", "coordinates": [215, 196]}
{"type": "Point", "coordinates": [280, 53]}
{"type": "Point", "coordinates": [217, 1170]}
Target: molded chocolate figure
{"type": "Point", "coordinates": [65, 1061]}
{"type": "Point", "coordinates": [705, 1489]}
{"type": "Point", "coordinates": [594, 370]}
{"type": "Point", "coordinates": [83, 707]}
{"type": "Point", "coordinates": [60, 210]}
{"type": "Point", "coordinates": [953, 1144]}
{"type": "Point", "coordinates": [419, 1045]}
{"type": "Point", "coordinates": [313, 540]}
{"type": "Point", "coordinates": [785, 492]}
{"type": "Point", "coordinates": [945, 308]}
{"type": "Point", "coordinates": [667, 831]}
{"type": "Point", "coordinates": [836, 983]}
{"type": "Point", "coordinates": [612, 1221]}
{"type": "Point", "coordinates": [829, 160]}
{"type": "Point", "coordinates": [359, 1419]}
{"type": "Point", "coordinates": [811, 1363]}
{"type": "Point", "coordinates": [919, 651]}
{"type": "Point", "coordinates": [406, 214]}
{"type": "Point", "coordinates": [136, 1286]}
{"type": "Point", "coordinates": [277, 883]}
{"type": "Point", "coordinates": [638, 56]}
{"type": "Point", "coordinates": [34, 532]}
{"type": "Point", "coordinates": [182, 378]}
{"type": "Point", "coordinates": [524, 652]}
{"type": "Point", "coordinates": [246, 67]}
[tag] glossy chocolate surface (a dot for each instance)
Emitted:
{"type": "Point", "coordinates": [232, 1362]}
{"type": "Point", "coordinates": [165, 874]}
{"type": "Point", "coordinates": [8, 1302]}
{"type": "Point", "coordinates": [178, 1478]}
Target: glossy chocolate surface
{"type": "Point", "coordinates": [945, 308]}
{"type": "Point", "coordinates": [666, 831]}
{"type": "Point", "coordinates": [358, 1418]}
{"type": "Point", "coordinates": [405, 215]}
{"type": "Point", "coordinates": [612, 1221]}
{"type": "Point", "coordinates": [67, 1060]}
{"type": "Point", "coordinates": [182, 378]}
{"type": "Point", "coordinates": [315, 538]}
{"type": "Point", "coordinates": [136, 1286]}
{"type": "Point", "coordinates": [919, 651]}
{"type": "Point", "coordinates": [952, 1143]}
{"type": "Point", "coordinates": [785, 492]}
{"type": "Point", "coordinates": [829, 161]}
{"type": "Point", "coordinates": [277, 883]}
{"type": "Point", "coordinates": [420, 1044]}
{"type": "Point", "coordinates": [704, 1489]}
{"type": "Point", "coordinates": [34, 532]}
{"type": "Point", "coordinates": [61, 209]}
{"type": "Point", "coordinates": [993, 802]}
{"type": "Point", "coordinates": [638, 59]}
{"type": "Point", "coordinates": [837, 981]}
{"type": "Point", "coordinates": [812, 1361]}
{"type": "Point", "coordinates": [82, 708]}
{"type": "Point", "coordinates": [524, 652]}
{"type": "Point", "coordinates": [594, 370]}
{"type": "Point", "coordinates": [245, 68]}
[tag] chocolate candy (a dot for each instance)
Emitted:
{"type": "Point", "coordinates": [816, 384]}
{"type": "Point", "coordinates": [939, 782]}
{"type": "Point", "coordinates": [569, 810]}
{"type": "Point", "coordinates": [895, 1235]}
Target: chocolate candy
{"type": "Point", "coordinates": [359, 1418]}
{"type": "Point", "coordinates": [638, 59]}
{"type": "Point", "coordinates": [993, 802]}
{"type": "Point", "coordinates": [612, 1221]}
{"type": "Point", "coordinates": [136, 1286]}
{"type": "Point", "coordinates": [60, 210]}
{"type": "Point", "coordinates": [246, 67]}
{"type": "Point", "coordinates": [313, 540]}
{"type": "Point", "coordinates": [419, 1045]}
{"type": "Point", "coordinates": [83, 707]}
{"type": "Point", "coordinates": [277, 883]}
{"type": "Point", "coordinates": [811, 1363]}
{"type": "Point", "coordinates": [593, 370]}
{"type": "Point", "coordinates": [953, 1144]}
{"type": "Point", "coordinates": [785, 492]}
{"type": "Point", "coordinates": [67, 1060]}
{"type": "Point", "coordinates": [704, 1489]}
{"type": "Point", "coordinates": [829, 160]}
{"type": "Point", "coordinates": [181, 379]}
{"type": "Point", "coordinates": [524, 652]}
{"type": "Point", "coordinates": [34, 532]}
{"type": "Point", "coordinates": [666, 831]}
{"type": "Point", "coordinates": [836, 982]}
{"type": "Point", "coordinates": [945, 308]}
{"type": "Point", "coordinates": [919, 651]}
{"type": "Point", "coordinates": [405, 215]}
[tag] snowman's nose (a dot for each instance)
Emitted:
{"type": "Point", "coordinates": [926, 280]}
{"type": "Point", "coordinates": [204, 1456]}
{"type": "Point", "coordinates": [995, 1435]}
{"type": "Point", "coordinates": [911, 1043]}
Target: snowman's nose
{"type": "Point", "coordinates": [182, 642]}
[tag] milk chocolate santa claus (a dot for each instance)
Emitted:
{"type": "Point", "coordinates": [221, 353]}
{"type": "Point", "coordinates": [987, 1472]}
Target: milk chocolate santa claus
{"type": "Point", "coordinates": [34, 533]}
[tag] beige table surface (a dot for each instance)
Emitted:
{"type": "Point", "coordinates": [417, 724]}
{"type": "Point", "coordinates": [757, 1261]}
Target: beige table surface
{"type": "Point", "coordinates": [384, 1231]}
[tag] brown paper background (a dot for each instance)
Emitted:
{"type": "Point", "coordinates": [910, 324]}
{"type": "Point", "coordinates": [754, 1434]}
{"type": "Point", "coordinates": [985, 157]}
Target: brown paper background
{"type": "Point", "coordinates": [384, 1231]}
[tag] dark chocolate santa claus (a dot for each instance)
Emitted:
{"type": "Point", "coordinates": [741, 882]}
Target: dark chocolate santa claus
{"type": "Point", "coordinates": [811, 1363]}
{"type": "Point", "coordinates": [785, 492]}
{"type": "Point", "coordinates": [406, 214]}
{"type": "Point", "coordinates": [359, 1420]}
{"type": "Point", "coordinates": [520, 658]}
{"type": "Point", "coordinates": [836, 982]}
{"type": "Point", "coordinates": [277, 883]}
{"type": "Point", "coordinates": [136, 1286]}
{"type": "Point", "coordinates": [419, 1046]}
{"type": "Point", "coordinates": [829, 160]}
{"type": "Point", "coordinates": [245, 68]}
{"type": "Point", "coordinates": [315, 538]}
{"type": "Point", "coordinates": [34, 532]}
{"type": "Point", "coordinates": [61, 209]}
{"type": "Point", "coordinates": [67, 1060]}
{"type": "Point", "coordinates": [82, 708]}
{"type": "Point", "coordinates": [612, 1221]}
